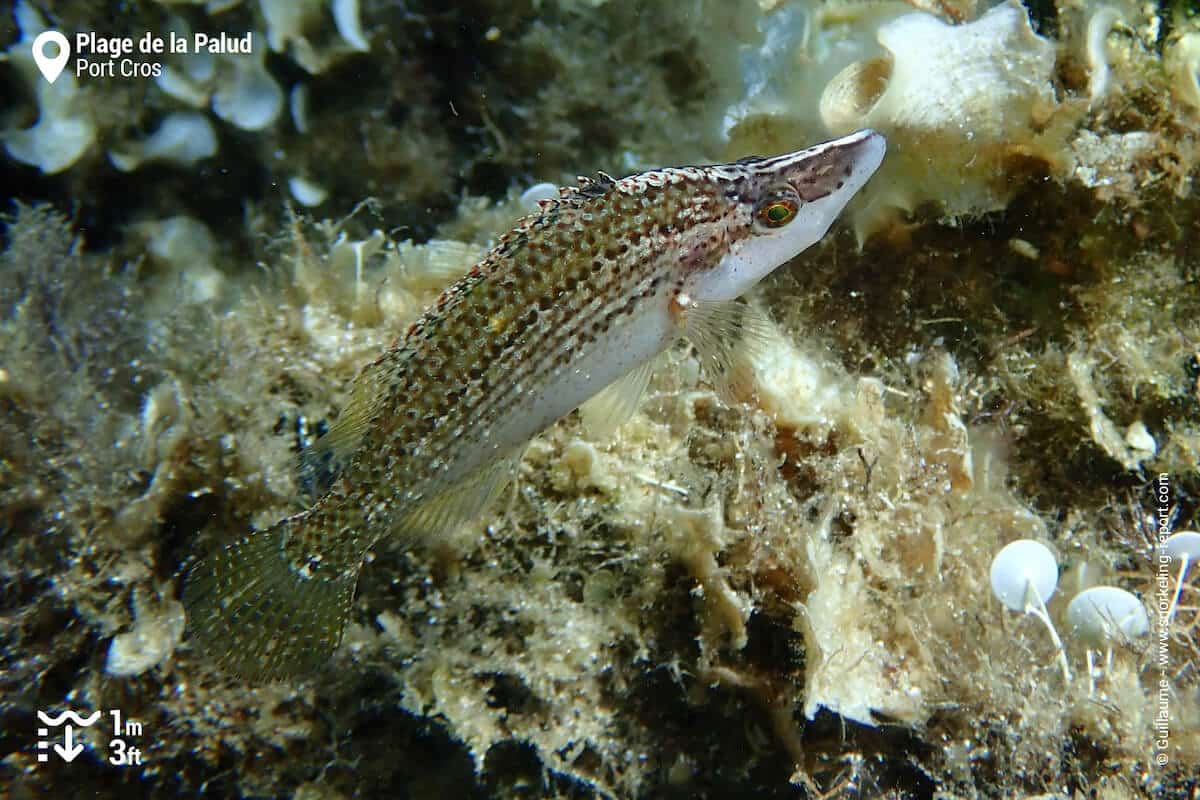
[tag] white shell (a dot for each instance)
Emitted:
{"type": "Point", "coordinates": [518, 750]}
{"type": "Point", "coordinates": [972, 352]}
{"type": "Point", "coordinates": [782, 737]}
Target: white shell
{"type": "Point", "coordinates": [852, 93]}
{"type": "Point", "coordinates": [971, 83]}
{"type": "Point", "coordinates": [955, 101]}
{"type": "Point", "coordinates": [1104, 614]}
{"type": "Point", "coordinates": [1020, 564]}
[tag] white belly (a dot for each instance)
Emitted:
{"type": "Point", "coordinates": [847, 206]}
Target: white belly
{"type": "Point", "coordinates": [629, 344]}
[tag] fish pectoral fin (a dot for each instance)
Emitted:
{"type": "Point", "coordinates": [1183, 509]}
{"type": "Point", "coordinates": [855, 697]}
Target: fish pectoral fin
{"type": "Point", "coordinates": [616, 403]}
{"type": "Point", "coordinates": [454, 507]}
{"type": "Point", "coordinates": [324, 460]}
{"type": "Point", "coordinates": [728, 335]}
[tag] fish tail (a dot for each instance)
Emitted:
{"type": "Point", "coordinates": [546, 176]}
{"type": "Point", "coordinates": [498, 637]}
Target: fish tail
{"type": "Point", "coordinates": [265, 607]}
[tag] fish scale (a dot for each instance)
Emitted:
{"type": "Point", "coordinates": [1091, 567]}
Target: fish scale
{"type": "Point", "coordinates": [579, 296]}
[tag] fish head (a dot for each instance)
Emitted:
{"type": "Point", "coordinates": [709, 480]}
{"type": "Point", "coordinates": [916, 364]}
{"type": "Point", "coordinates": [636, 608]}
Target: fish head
{"type": "Point", "coordinates": [780, 206]}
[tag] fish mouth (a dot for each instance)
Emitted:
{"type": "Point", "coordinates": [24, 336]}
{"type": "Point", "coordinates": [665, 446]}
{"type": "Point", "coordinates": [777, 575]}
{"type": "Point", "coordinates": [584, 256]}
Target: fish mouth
{"type": "Point", "coordinates": [866, 148]}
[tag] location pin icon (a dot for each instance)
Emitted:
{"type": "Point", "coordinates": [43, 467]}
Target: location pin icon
{"type": "Point", "coordinates": [51, 66]}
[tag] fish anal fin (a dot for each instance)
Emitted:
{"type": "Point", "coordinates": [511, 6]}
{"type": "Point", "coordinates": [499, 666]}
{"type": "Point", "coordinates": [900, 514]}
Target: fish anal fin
{"type": "Point", "coordinates": [444, 512]}
{"type": "Point", "coordinates": [614, 405]}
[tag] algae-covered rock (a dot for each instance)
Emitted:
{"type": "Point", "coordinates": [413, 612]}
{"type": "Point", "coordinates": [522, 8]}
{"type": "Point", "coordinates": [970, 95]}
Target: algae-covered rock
{"type": "Point", "coordinates": [780, 593]}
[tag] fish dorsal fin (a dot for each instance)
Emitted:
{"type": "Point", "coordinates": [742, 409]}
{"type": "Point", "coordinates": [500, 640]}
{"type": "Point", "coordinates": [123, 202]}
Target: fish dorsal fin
{"type": "Point", "coordinates": [588, 188]}
{"type": "Point", "coordinates": [728, 335]}
{"type": "Point", "coordinates": [616, 403]}
{"type": "Point", "coordinates": [324, 460]}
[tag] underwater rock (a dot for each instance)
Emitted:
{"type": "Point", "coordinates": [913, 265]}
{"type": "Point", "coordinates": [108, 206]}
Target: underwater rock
{"type": "Point", "coordinates": [795, 388]}
{"type": "Point", "coordinates": [1112, 164]}
{"type": "Point", "coordinates": [803, 46]}
{"type": "Point", "coordinates": [1130, 448]}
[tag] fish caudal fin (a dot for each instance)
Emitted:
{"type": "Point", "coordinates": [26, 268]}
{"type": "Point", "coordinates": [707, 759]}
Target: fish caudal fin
{"type": "Point", "coordinates": [260, 612]}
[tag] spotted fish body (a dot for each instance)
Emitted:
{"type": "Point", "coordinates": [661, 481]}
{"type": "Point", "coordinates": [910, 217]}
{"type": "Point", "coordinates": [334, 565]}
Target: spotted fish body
{"type": "Point", "coordinates": [583, 294]}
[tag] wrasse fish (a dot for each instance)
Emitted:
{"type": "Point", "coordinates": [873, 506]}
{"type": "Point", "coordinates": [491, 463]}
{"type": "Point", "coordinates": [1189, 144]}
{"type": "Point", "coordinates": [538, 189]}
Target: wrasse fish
{"type": "Point", "coordinates": [580, 296]}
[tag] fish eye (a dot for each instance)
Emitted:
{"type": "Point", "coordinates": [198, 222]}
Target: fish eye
{"type": "Point", "coordinates": [777, 210]}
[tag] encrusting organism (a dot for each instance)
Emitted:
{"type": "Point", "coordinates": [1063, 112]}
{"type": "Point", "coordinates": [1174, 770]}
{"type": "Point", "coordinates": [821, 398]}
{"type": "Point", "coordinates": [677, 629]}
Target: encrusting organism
{"type": "Point", "coordinates": [1184, 547]}
{"type": "Point", "coordinates": [1024, 575]}
{"type": "Point", "coordinates": [581, 295]}
{"type": "Point", "coordinates": [1102, 615]}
